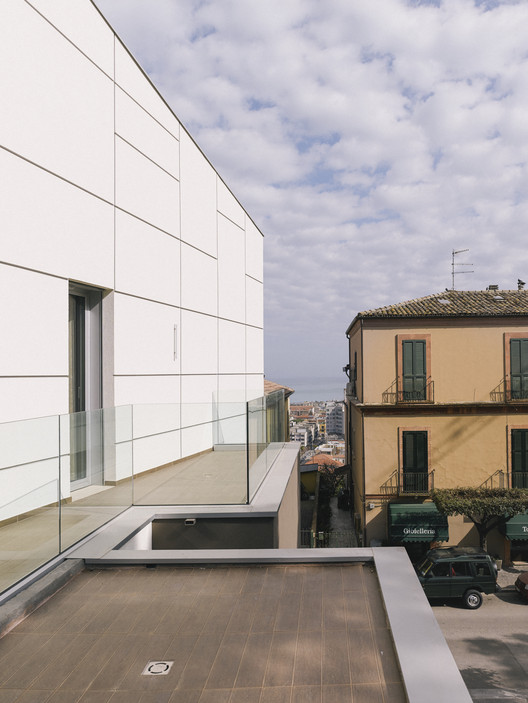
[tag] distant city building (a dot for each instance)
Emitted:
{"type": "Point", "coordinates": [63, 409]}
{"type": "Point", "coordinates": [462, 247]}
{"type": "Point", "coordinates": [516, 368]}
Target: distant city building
{"type": "Point", "coordinates": [303, 433]}
{"type": "Point", "coordinates": [335, 420]}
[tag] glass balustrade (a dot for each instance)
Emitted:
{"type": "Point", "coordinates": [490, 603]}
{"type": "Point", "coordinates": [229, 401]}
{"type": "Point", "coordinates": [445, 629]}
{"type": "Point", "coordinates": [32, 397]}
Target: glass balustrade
{"type": "Point", "coordinates": [63, 477]}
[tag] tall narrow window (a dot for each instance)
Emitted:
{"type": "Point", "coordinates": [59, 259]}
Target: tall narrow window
{"type": "Point", "coordinates": [519, 459]}
{"type": "Point", "coordinates": [519, 368]}
{"type": "Point", "coordinates": [85, 386]}
{"type": "Point", "coordinates": [414, 372]}
{"type": "Point", "coordinates": [415, 462]}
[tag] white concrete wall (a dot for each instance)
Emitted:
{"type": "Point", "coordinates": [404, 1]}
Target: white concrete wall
{"type": "Point", "coordinates": [102, 185]}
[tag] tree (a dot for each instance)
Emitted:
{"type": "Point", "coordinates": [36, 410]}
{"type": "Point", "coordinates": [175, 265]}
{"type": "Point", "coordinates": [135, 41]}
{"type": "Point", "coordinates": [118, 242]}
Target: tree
{"type": "Point", "coordinates": [487, 508]}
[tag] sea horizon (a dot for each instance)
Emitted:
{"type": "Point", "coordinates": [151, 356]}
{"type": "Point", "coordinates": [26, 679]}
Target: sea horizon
{"type": "Point", "coordinates": [315, 388]}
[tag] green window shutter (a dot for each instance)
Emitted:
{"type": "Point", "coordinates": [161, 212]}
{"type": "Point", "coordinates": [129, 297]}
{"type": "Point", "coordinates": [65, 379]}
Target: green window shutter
{"type": "Point", "coordinates": [414, 371]}
{"type": "Point", "coordinates": [415, 452]}
{"type": "Point", "coordinates": [519, 450]}
{"type": "Point", "coordinates": [519, 368]}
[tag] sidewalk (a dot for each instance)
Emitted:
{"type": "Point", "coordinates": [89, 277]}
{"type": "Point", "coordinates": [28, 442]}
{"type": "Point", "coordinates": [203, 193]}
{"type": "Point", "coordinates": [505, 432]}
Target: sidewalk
{"type": "Point", "coordinates": [507, 577]}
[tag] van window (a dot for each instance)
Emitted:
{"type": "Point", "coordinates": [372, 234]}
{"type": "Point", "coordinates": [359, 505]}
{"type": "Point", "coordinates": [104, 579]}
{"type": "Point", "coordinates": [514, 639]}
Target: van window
{"type": "Point", "coordinates": [483, 569]}
{"type": "Point", "coordinates": [441, 569]}
{"type": "Point", "coordinates": [461, 568]}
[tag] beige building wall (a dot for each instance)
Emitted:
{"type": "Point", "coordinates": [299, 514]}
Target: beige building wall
{"type": "Point", "coordinates": [468, 361]}
{"type": "Point", "coordinates": [464, 450]}
{"type": "Point", "coordinates": [467, 357]}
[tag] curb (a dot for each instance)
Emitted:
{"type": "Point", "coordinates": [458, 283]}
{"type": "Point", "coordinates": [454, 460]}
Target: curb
{"type": "Point", "coordinates": [27, 601]}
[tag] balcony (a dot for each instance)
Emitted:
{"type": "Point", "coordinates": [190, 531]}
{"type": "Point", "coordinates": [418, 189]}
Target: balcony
{"type": "Point", "coordinates": [404, 483]}
{"type": "Point", "coordinates": [509, 390]}
{"type": "Point", "coordinates": [63, 477]}
{"type": "Point", "coordinates": [418, 393]}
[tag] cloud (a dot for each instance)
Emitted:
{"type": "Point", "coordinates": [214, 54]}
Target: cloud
{"type": "Point", "coordinates": [367, 140]}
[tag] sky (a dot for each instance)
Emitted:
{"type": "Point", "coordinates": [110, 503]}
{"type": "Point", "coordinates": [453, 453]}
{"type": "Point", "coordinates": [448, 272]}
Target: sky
{"type": "Point", "coordinates": [367, 139]}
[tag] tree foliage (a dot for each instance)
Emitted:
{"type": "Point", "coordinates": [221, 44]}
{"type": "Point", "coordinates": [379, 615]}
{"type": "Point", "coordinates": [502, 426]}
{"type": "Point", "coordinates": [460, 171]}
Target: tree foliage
{"type": "Point", "coordinates": [487, 508]}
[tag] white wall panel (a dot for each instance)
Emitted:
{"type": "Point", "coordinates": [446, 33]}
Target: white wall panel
{"type": "Point", "coordinates": [231, 430]}
{"type": "Point", "coordinates": [196, 439]}
{"type": "Point", "coordinates": [155, 418]}
{"type": "Point", "coordinates": [29, 487]}
{"type": "Point", "coordinates": [231, 276]}
{"type": "Point", "coordinates": [254, 302]}
{"type": "Point", "coordinates": [145, 190]}
{"type": "Point", "coordinates": [199, 281]}
{"type": "Point", "coordinates": [231, 389]}
{"type": "Point", "coordinates": [229, 206]}
{"type": "Point", "coordinates": [52, 226]}
{"type": "Point", "coordinates": [130, 390]}
{"type": "Point", "coordinates": [200, 390]}
{"type": "Point", "coordinates": [147, 261]}
{"type": "Point", "coordinates": [231, 347]}
{"type": "Point", "coordinates": [254, 386]}
{"type": "Point", "coordinates": [254, 350]}
{"type": "Point", "coordinates": [198, 197]}
{"type": "Point", "coordinates": [29, 441]}
{"type": "Point", "coordinates": [254, 251]}
{"type": "Point", "coordinates": [133, 81]}
{"type": "Point", "coordinates": [199, 344]}
{"type": "Point", "coordinates": [59, 113]}
{"type": "Point", "coordinates": [22, 398]}
{"type": "Point", "coordinates": [136, 126]}
{"type": "Point", "coordinates": [83, 25]}
{"type": "Point", "coordinates": [151, 452]}
{"type": "Point", "coordinates": [144, 337]}
{"type": "Point", "coordinates": [34, 323]}
{"type": "Point", "coordinates": [198, 396]}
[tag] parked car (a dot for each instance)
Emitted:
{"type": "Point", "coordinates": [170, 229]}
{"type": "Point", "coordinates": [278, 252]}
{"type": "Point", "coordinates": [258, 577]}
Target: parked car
{"type": "Point", "coordinates": [457, 572]}
{"type": "Point", "coordinates": [521, 584]}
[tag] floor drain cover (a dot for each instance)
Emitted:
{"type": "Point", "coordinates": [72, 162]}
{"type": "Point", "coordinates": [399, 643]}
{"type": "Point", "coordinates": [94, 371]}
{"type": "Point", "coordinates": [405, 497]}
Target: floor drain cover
{"type": "Point", "coordinates": [157, 668]}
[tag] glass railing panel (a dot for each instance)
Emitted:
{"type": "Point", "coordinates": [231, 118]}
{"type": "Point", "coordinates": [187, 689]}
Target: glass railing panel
{"type": "Point", "coordinates": [29, 496]}
{"type": "Point", "coordinates": [96, 470]}
{"type": "Point", "coordinates": [266, 432]}
{"type": "Point", "coordinates": [189, 454]}
{"type": "Point", "coordinates": [256, 445]}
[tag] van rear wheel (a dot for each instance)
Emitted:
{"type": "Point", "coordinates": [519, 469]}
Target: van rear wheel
{"type": "Point", "coordinates": [472, 599]}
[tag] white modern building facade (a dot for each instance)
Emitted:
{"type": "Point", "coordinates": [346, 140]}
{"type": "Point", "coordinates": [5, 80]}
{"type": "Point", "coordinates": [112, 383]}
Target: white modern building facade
{"type": "Point", "coordinates": [129, 273]}
{"type": "Point", "coordinates": [335, 419]}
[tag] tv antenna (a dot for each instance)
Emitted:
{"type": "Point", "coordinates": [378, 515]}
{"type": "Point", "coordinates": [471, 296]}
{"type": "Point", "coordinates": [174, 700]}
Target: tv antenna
{"type": "Point", "coordinates": [456, 263]}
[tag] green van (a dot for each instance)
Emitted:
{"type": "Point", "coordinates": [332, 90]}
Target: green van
{"type": "Point", "coordinates": [458, 572]}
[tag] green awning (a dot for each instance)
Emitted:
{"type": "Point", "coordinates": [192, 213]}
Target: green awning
{"type": "Point", "coordinates": [516, 527]}
{"type": "Point", "coordinates": [411, 522]}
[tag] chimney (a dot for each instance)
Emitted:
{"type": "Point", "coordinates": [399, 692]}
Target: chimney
{"type": "Point", "coordinates": [493, 286]}
{"type": "Point", "coordinates": [520, 284]}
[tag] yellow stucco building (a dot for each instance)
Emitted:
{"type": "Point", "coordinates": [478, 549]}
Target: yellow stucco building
{"type": "Point", "coordinates": [438, 398]}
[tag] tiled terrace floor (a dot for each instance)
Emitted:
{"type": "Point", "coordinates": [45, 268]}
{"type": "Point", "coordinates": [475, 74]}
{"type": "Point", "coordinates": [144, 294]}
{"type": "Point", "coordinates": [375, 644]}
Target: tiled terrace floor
{"type": "Point", "coordinates": [213, 478]}
{"type": "Point", "coordinates": [248, 634]}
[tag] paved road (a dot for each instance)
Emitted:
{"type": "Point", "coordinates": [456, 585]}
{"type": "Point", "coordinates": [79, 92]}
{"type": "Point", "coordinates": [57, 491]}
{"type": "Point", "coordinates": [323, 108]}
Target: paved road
{"type": "Point", "coordinates": [490, 645]}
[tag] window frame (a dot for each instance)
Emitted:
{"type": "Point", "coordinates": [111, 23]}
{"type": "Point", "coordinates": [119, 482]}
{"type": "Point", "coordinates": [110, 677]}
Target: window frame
{"type": "Point", "coordinates": [427, 472]}
{"type": "Point", "coordinates": [508, 338]}
{"type": "Point", "coordinates": [416, 337]}
{"type": "Point", "coordinates": [510, 430]}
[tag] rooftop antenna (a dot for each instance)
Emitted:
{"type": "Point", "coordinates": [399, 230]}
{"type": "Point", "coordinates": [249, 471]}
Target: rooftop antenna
{"type": "Point", "coordinates": [455, 263]}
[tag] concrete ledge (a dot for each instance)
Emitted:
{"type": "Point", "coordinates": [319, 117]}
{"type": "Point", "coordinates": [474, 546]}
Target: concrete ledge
{"type": "Point", "coordinates": [428, 669]}
{"type": "Point", "coordinates": [25, 602]}
{"type": "Point", "coordinates": [232, 556]}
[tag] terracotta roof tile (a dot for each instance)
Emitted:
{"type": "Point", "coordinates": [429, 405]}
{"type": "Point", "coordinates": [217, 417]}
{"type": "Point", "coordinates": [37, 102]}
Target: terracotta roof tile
{"type": "Point", "coordinates": [456, 303]}
{"type": "Point", "coordinates": [271, 387]}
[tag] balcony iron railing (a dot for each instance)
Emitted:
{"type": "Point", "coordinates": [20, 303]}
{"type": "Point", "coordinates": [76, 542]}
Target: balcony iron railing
{"type": "Point", "coordinates": [420, 393]}
{"type": "Point", "coordinates": [509, 390]}
{"type": "Point", "coordinates": [408, 483]}
{"type": "Point", "coordinates": [519, 479]}
{"type": "Point", "coordinates": [497, 480]}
